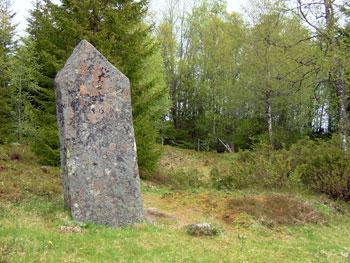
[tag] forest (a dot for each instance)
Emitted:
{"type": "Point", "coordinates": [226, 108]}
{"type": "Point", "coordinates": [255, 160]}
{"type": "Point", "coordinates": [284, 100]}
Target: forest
{"type": "Point", "coordinates": [251, 105]}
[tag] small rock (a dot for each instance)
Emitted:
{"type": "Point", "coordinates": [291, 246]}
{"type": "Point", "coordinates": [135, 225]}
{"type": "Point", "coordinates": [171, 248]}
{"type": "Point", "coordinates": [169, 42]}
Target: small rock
{"type": "Point", "coordinates": [70, 229]}
{"type": "Point", "coordinates": [203, 229]}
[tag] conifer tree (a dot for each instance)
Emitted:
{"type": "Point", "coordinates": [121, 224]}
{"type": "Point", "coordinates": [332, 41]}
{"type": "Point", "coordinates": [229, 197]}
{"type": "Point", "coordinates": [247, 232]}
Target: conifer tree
{"type": "Point", "coordinates": [7, 31]}
{"type": "Point", "coordinates": [24, 90]}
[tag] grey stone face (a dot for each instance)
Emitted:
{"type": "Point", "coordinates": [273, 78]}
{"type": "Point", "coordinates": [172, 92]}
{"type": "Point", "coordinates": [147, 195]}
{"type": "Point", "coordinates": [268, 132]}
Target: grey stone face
{"type": "Point", "coordinates": [98, 150]}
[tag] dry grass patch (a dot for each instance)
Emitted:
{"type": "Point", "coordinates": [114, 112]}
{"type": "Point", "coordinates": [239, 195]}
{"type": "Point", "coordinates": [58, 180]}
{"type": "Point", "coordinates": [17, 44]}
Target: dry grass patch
{"type": "Point", "coordinates": [20, 180]}
{"type": "Point", "coordinates": [272, 210]}
{"type": "Point", "coordinates": [178, 164]}
{"type": "Point", "coordinates": [269, 210]}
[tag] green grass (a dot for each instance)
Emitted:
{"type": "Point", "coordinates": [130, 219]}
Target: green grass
{"type": "Point", "coordinates": [31, 213]}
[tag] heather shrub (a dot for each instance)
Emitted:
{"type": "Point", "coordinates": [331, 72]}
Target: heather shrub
{"type": "Point", "coordinates": [323, 167]}
{"type": "Point", "coordinates": [261, 168]}
{"type": "Point", "coordinates": [181, 179]}
{"type": "Point", "coordinates": [317, 165]}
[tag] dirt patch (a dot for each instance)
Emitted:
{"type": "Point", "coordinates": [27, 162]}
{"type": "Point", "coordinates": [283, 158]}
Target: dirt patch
{"type": "Point", "coordinates": [9, 193]}
{"type": "Point", "coordinates": [15, 157]}
{"type": "Point", "coordinates": [272, 210]}
{"type": "Point", "coordinates": [153, 214]}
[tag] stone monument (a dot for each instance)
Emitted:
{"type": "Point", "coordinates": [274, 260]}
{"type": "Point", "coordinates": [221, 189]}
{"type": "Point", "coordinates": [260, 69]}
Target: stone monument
{"type": "Point", "coordinates": [98, 151]}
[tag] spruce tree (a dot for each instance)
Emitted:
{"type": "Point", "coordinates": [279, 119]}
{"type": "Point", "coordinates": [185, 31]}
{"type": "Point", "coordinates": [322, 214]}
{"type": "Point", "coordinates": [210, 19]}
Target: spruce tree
{"type": "Point", "coordinates": [24, 91]}
{"type": "Point", "coordinates": [7, 31]}
{"type": "Point", "coordinates": [118, 30]}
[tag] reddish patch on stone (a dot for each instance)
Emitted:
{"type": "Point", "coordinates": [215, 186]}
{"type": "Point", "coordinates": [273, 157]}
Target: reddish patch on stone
{"type": "Point", "coordinates": [98, 112]}
{"type": "Point", "coordinates": [99, 79]}
{"type": "Point", "coordinates": [70, 114]}
{"type": "Point", "coordinates": [97, 187]}
{"type": "Point", "coordinates": [112, 147]}
{"type": "Point", "coordinates": [82, 90]}
{"type": "Point", "coordinates": [126, 94]}
{"type": "Point", "coordinates": [92, 117]}
{"type": "Point", "coordinates": [83, 103]}
{"type": "Point", "coordinates": [94, 92]}
{"type": "Point", "coordinates": [83, 69]}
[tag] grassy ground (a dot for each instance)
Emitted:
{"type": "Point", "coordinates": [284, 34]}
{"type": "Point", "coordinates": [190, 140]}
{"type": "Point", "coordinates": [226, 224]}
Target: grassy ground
{"type": "Point", "coordinates": [32, 214]}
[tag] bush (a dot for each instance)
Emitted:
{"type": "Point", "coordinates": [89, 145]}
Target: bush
{"type": "Point", "coordinates": [320, 166]}
{"type": "Point", "coordinates": [16, 152]}
{"type": "Point", "coordinates": [262, 167]}
{"type": "Point", "coordinates": [204, 229]}
{"type": "Point", "coordinates": [148, 153]}
{"type": "Point", "coordinates": [323, 167]}
{"type": "Point", "coordinates": [46, 146]}
{"type": "Point", "coordinates": [181, 179]}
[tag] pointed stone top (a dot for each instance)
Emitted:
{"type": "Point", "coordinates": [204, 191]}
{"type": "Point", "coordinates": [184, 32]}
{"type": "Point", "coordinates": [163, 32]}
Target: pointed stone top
{"type": "Point", "coordinates": [85, 46]}
{"type": "Point", "coordinates": [84, 42]}
{"type": "Point", "coordinates": [86, 55]}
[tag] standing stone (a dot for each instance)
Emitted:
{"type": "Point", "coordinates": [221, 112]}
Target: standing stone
{"type": "Point", "coordinates": [98, 150]}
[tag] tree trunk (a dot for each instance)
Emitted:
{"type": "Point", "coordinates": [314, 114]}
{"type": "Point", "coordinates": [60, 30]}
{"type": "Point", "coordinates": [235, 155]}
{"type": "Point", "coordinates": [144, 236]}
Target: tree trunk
{"type": "Point", "coordinates": [174, 111]}
{"type": "Point", "coordinates": [320, 124]}
{"type": "Point", "coordinates": [268, 106]}
{"type": "Point", "coordinates": [337, 74]}
{"type": "Point", "coordinates": [343, 118]}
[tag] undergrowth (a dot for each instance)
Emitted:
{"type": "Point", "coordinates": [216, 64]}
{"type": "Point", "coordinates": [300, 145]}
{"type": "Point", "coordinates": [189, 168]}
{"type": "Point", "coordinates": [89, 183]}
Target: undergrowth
{"type": "Point", "coordinates": [318, 166]}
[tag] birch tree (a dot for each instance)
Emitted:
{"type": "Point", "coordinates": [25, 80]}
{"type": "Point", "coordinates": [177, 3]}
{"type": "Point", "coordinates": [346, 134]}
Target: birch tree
{"type": "Point", "coordinates": [274, 69]}
{"type": "Point", "coordinates": [323, 17]}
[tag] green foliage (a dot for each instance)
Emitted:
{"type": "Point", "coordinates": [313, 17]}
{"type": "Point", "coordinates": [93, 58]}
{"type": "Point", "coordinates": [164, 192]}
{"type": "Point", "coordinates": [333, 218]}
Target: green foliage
{"type": "Point", "coordinates": [199, 230]}
{"type": "Point", "coordinates": [6, 127]}
{"type": "Point", "coordinates": [147, 154]}
{"type": "Point", "coordinates": [225, 75]}
{"type": "Point", "coordinates": [46, 146]}
{"type": "Point", "coordinates": [182, 179]}
{"type": "Point", "coordinates": [7, 43]}
{"type": "Point", "coordinates": [176, 137]}
{"type": "Point", "coordinates": [323, 167]}
{"type": "Point", "coordinates": [201, 53]}
{"type": "Point", "coordinates": [24, 92]}
{"type": "Point", "coordinates": [261, 168]}
{"type": "Point", "coordinates": [320, 166]}
{"type": "Point", "coordinates": [17, 152]}
{"type": "Point", "coordinates": [35, 110]}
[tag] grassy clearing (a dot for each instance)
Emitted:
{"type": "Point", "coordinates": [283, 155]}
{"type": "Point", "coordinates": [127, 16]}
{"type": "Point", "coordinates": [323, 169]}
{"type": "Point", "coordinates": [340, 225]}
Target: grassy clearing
{"type": "Point", "coordinates": [32, 214]}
